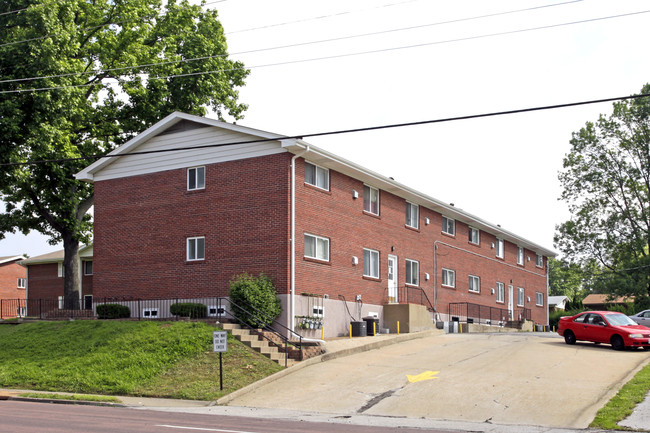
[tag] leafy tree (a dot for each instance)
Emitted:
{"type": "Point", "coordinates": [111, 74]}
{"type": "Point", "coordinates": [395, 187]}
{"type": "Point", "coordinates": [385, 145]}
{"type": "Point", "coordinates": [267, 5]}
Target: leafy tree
{"type": "Point", "coordinates": [606, 181]}
{"type": "Point", "coordinates": [80, 77]}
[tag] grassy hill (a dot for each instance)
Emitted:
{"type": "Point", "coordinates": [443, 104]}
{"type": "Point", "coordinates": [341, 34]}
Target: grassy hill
{"type": "Point", "coordinates": [156, 359]}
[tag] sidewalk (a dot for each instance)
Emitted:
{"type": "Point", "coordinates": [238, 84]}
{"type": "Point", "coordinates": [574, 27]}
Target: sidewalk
{"type": "Point", "coordinates": [335, 348]}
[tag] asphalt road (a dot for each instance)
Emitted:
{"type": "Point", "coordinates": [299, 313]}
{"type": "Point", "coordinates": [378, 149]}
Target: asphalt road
{"type": "Point", "coordinates": [518, 378]}
{"type": "Point", "coordinates": [27, 417]}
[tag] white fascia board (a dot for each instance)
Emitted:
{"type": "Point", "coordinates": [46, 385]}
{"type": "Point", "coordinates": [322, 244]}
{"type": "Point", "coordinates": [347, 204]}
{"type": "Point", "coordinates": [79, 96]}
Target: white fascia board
{"type": "Point", "coordinates": [11, 259]}
{"type": "Point", "coordinates": [88, 173]}
{"type": "Point", "coordinates": [329, 160]}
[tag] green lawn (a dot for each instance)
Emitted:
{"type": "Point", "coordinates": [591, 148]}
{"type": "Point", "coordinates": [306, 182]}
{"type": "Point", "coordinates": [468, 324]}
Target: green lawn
{"type": "Point", "coordinates": [161, 359]}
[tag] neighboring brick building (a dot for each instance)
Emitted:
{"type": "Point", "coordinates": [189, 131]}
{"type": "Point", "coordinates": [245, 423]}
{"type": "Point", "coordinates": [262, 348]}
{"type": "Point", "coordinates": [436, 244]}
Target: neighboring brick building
{"type": "Point", "coordinates": [12, 287]}
{"type": "Point", "coordinates": [45, 278]}
{"type": "Point", "coordinates": [183, 223]}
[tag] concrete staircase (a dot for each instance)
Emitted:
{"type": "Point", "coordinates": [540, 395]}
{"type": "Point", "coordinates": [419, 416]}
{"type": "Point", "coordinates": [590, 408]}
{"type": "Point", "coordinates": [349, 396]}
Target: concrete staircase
{"type": "Point", "coordinates": [260, 345]}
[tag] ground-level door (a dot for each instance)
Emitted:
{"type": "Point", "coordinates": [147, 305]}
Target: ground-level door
{"type": "Point", "coordinates": [511, 303]}
{"type": "Point", "coordinates": [392, 279]}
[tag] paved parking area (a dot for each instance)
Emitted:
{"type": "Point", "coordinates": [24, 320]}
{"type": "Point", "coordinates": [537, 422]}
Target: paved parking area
{"type": "Point", "coordinates": [515, 378]}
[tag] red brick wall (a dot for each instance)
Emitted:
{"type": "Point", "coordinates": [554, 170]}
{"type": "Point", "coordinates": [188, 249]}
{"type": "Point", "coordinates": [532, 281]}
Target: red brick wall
{"type": "Point", "coordinates": [336, 215]}
{"type": "Point", "coordinates": [9, 274]}
{"type": "Point", "coordinates": [44, 282]}
{"type": "Point", "coordinates": [142, 223]}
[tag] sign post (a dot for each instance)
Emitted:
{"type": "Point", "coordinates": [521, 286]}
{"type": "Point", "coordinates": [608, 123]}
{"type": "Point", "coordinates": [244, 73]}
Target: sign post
{"type": "Point", "coordinates": [220, 344]}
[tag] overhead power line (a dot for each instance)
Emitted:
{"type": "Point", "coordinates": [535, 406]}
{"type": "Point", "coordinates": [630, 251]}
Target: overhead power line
{"type": "Point", "coordinates": [127, 68]}
{"type": "Point", "coordinates": [335, 56]}
{"type": "Point", "coordinates": [336, 132]}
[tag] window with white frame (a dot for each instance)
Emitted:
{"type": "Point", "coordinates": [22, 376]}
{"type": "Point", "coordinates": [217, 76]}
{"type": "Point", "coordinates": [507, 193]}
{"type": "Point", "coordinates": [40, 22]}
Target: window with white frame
{"type": "Point", "coordinates": [520, 296]}
{"type": "Point", "coordinates": [412, 215]}
{"type": "Point", "coordinates": [22, 283]}
{"type": "Point", "coordinates": [448, 226]}
{"type": "Point", "coordinates": [195, 249]}
{"type": "Point", "coordinates": [88, 267]}
{"type": "Point", "coordinates": [370, 263]}
{"type": "Point", "coordinates": [520, 255]}
{"type": "Point", "coordinates": [317, 247]}
{"type": "Point", "coordinates": [371, 200]}
{"type": "Point", "coordinates": [474, 236]}
{"type": "Point", "coordinates": [60, 271]}
{"type": "Point", "coordinates": [448, 278]}
{"type": "Point", "coordinates": [500, 248]}
{"type": "Point", "coordinates": [539, 299]}
{"type": "Point", "coordinates": [474, 284]}
{"type": "Point", "coordinates": [412, 272]}
{"type": "Point", "coordinates": [501, 292]}
{"type": "Point", "coordinates": [317, 176]}
{"type": "Point", "coordinates": [539, 260]}
{"type": "Point", "coordinates": [195, 178]}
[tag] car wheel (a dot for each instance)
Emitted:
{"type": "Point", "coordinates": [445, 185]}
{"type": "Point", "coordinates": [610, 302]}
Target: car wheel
{"type": "Point", "coordinates": [617, 342]}
{"type": "Point", "coordinates": [646, 347]}
{"type": "Point", "coordinates": [569, 337]}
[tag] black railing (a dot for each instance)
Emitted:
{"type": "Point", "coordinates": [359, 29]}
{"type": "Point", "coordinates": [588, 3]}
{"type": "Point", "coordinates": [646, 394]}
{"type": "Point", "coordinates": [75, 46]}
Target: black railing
{"type": "Point", "coordinates": [407, 295]}
{"type": "Point", "coordinates": [482, 314]}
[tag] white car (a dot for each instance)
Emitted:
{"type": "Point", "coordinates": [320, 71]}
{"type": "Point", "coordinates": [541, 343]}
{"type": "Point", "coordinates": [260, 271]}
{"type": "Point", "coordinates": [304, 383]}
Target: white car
{"type": "Point", "coordinates": [642, 318]}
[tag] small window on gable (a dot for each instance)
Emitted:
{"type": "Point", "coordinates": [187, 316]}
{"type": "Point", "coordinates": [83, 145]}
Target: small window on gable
{"type": "Point", "coordinates": [22, 283]}
{"type": "Point", "coordinates": [448, 226]}
{"type": "Point", "coordinates": [412, 215]}
{"type": "Point", "coordinates": [371, 200]}
{"type": "Point", "coordinates": [474, 236]}
{"type": "Point", "coordinates": [195, 178]}
{"type": "Point", "coordinates": [412, 272]}
{"type": "Point", "coordinates": [88, 267]}
{"type": "Point", "coordinates": [317, 247]}
{"type": "Point", "coordinates": [195, 249]}
{"type": "Point", "coordinates": [317, 176]}
{"type": "Point", "coordinates": [474, 284]}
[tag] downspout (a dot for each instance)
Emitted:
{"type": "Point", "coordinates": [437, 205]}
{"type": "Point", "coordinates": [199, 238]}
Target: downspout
{"type": "Point", "coordinates": [292, 295]}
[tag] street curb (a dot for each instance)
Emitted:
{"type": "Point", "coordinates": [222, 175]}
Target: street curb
{"type": "Point", "coordinates": [61, 401]}
{"type": "Point", "coordinates": [223, 401]}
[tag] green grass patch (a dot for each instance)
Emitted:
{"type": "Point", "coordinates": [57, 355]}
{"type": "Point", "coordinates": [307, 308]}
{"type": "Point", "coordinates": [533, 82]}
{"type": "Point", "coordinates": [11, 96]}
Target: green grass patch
{"type": "Point", "coordinates": [162, 359]}
{"type": "Point", "coordinates": [73, 397]}
{"type": "Point", "coordinates": [624, 402]}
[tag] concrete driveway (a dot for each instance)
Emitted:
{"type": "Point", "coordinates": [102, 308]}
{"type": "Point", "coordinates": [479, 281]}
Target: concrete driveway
{"type": "Point", "coordinates": [514, 378]}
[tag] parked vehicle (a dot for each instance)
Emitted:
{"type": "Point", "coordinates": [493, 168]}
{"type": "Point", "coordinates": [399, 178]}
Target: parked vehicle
{"type": "Point", "coordinates": [642, 318]}
{"type": "Point", "coordinates": [604, 327]}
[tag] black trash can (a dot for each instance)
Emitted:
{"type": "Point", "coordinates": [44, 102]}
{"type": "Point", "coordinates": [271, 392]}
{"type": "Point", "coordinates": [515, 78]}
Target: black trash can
{"type": "Point", "coordinates": [369, 321]}
{"type": "Point", "coordinates": [358, 329]}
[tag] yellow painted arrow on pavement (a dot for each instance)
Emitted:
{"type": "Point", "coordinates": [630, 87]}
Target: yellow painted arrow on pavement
{"type": "Point", "coordinates": [427, 375]}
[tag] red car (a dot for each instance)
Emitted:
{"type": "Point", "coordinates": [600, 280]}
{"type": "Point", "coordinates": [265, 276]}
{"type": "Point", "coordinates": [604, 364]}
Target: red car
{"type": "Point", "coordinates": [604, 327]}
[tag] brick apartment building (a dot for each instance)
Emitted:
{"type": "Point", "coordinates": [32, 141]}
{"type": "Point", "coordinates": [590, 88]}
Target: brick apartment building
{"type": "Point", "coordinates": [12, 287]}
{"type": "Point", "coordinates": [339, 241]}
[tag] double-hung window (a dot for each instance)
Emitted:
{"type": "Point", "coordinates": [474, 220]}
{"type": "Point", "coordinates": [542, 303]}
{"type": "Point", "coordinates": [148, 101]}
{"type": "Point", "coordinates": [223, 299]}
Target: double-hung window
{"type": "Point", "coordinates": [474, 284]}
{"type": "Point", "coordinates": [22, 283]}
{"type": "Point", "coordinates": [371, 200]}
{"type": "Point", "coordinates": [370, 263]}
{"type": "Point", "coordinates": [412, 272]}
{"type": "Point", "coordinates": [317, 176]}
{"type": "Point", "coordinates": [448, 226]}
{"type": "Point", "coordinates": [195, 178]}
{"type": "Point", "coordinates": [539, 299]}
{"type": "Point", "coordinates": [474, 236]}
{"type": "Point", "coordinates": [195, 249]}
{"type": "Point", "coordinates": [520, 296]}
{"type": "Point", "coordinates": [539, 261]}
{"type": "Point", "coordinates": [448, 278]}
{"type": "Point", "coordinates": [412, 215]}
{"type": "Point", "coordinates": [500, 248]}
{"type": "Point", "coordinates": [88, 267]}
{"type": "Point", "coordinates": [317, 247]}
{"type": "Point", "coordinates": [501, 291]}
{"type": "Point", "coordinates": [520, 256]}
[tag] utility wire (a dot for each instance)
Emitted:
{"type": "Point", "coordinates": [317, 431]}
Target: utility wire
{"type": "Point", "coordinates": [95, 72]}
{"type": "Point", "coordinates": [336, 56]}
{"type": "Point", "coordinates": [337, 132]}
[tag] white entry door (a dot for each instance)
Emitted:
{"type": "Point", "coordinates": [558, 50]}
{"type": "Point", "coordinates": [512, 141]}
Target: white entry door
{"type": "Point", "coordinates": [392, 279]}
{"type": "Point", "coordinates": [511, 305]}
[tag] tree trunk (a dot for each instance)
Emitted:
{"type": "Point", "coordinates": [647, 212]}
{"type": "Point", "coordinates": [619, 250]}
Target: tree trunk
{"type": "Point", "coordinates": [71, 280]}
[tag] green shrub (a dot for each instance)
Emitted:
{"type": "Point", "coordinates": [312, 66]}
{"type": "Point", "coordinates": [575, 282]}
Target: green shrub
{"type": "Point", "coordinates": [254, 294]}
{"type": "Point", "coordinates": [189, 309]}
{"type": "Point", "coordinates": [113, 311]}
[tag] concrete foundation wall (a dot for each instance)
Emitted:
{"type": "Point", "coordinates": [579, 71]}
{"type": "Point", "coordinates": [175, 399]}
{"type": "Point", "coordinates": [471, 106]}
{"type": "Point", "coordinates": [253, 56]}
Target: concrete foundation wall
{"type": "Point", "coordinates": [411, 318]}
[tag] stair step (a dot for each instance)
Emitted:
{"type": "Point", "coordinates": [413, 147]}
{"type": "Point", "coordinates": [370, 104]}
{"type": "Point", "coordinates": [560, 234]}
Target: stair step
{"type": "Point", "coordinates": [230, 326]}
{"type": "Point", "coordinates": [261, 346]}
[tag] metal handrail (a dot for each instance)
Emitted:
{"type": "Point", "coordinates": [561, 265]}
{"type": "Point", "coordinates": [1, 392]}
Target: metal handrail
{"type": "Point", "coordinates": [403, 296]}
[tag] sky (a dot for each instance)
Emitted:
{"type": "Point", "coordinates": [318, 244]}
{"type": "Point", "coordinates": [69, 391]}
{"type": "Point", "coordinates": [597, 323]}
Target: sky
{"type": "Point", "coordinates": [335, 65]}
